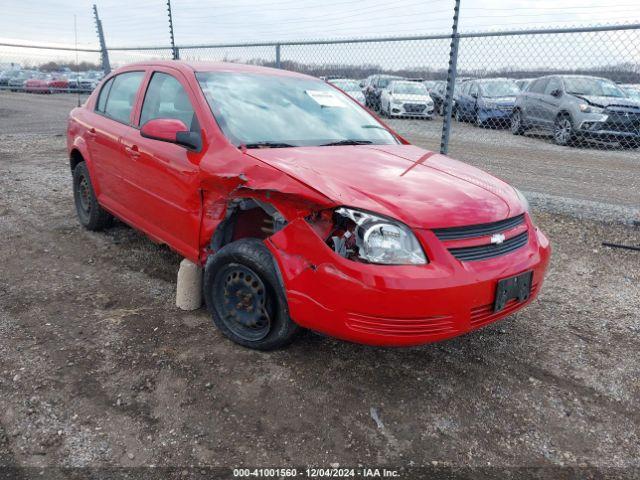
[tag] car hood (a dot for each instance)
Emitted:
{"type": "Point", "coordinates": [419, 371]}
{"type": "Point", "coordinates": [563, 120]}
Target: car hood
{"type": "Point", "coordinates": [607, 101]}
{"type": "Point", "coordinates": [406, 97]}
{"type": "Point", "coordinates": [420, 188]}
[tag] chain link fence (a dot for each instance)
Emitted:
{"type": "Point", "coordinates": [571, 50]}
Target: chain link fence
{"type": "Point", "coordinates": [514, 90]}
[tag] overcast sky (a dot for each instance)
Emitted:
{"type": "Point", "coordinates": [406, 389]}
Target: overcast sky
{"type": "Point", "coordinates": [144, 22]}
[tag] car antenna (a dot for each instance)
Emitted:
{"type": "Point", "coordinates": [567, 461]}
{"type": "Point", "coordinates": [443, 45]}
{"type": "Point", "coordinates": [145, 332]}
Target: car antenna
{"type": "Point", "coordinates": [75, 33]}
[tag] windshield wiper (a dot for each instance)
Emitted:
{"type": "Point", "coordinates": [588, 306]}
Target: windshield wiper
{"type": "Point", "coordinates": [347, 141]}
{"type": "Point", "coordinates": [266, 145]}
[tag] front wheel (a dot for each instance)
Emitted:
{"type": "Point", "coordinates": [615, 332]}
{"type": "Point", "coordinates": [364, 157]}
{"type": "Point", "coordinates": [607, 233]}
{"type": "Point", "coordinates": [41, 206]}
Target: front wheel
{"type": "Point", "coordinates": [245, 296]}
{"type": "Point", "coordinates": [517, 128]}
{"type": "Point", "coordinates": [477, 119]}
{"type": "Point", "coordinates": [563, 133]}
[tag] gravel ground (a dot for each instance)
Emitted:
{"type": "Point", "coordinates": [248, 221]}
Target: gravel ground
{"type": "Point", "coordinates": [99, 369]}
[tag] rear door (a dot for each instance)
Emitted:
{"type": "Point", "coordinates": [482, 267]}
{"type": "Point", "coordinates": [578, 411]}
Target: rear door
{"type": "Point", "coordinates": [532, 106]}
{"type": "Point", "coordinates": [466, 100]}
{"type": "Point", "coordinates": [113, 118]}
{"type": "Point", "coordinates": [549, 104]}
{"type": "Point", "coordinates": [166, 175]}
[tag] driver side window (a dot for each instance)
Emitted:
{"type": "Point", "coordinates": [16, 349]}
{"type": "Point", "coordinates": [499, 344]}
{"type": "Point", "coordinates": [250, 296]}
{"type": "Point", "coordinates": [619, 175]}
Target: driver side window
{"type": "Point", "coordinates": [554, 84]}
{"type": "Point", "coordinates": [167, 98]}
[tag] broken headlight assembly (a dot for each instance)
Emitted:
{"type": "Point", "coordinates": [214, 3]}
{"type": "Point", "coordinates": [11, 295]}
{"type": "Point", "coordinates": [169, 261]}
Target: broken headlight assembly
{"type": "Point", "coordinates": [366, 237]}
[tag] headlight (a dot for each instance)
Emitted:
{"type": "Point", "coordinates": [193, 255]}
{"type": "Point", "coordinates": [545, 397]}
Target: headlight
{"type": "Point", "coordinates": [367, 237]}
{"type": "Point", "coordinates": [586, 108]}
{"type": "Point", "coordinates": [395, 101]}
{"type": "Point", "coordinates": [488, 104]}
{"type": "Point", "coordinates": [523, 199]}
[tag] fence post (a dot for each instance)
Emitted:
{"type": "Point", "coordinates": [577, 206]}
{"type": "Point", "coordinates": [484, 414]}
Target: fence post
{"type": "Point", "coordinates": [451, 81]}
{"type": "Point", "coordinates": [278, 64]}
{"type": "Point", "coordinates": [104, 53]}
{"type": "Point", "coordinates": [174, 50]}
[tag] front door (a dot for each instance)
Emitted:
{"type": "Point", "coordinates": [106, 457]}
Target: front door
{"type": "Point", "coordinates": [166, 175]}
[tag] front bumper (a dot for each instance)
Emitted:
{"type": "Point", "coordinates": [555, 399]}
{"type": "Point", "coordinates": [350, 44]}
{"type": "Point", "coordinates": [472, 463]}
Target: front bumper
{"type": "Point", "coordinates": [422, 110]}
{"type": "Point", "coordinates": [397, 305]}
{"type": "Point", "coordinates": [602, 132]}
{"type": "Point", "coordinates": [495, 113]}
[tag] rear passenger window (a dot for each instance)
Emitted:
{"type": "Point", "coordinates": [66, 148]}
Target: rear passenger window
{"type": "Point", "coordinates": [538, 86]}
{"type": "Point", "coordinates": [167, 98]}
{"type": "Point", "coordinates": [553, 84]}
{"type": "Point", "coordinates": [122, 96]}
{"type": "Point", "coordinates": [104, 94]}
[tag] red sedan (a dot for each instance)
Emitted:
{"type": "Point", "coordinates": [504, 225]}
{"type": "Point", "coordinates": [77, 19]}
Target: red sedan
{"type": "Point", "coordinates": [46, 84]}
{"type": "Point", "coordinates": [305, 210]}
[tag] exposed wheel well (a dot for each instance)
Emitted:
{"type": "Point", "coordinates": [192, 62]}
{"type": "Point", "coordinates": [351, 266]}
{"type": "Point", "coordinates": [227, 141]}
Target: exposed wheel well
{"type": "Point", "coordinates": [247, 218]}
{"type": "Point", "coordinates": [75, 158]}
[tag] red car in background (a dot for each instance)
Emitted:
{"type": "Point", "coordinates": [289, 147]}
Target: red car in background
{"type": "Point", "coordinates": [304, 209]}
{"type": "Point", "coordinates": [46, 83]}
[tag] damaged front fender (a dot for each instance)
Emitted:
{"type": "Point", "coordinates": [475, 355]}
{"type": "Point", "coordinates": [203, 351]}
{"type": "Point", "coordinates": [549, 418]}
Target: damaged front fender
{"type": "Point", "coordinates": [280, 196]}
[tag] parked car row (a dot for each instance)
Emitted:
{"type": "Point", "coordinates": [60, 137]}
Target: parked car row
{"type": "Point", "coordinates": [572, 108]}
{"type": "Point", "coordinates": [34, 81]}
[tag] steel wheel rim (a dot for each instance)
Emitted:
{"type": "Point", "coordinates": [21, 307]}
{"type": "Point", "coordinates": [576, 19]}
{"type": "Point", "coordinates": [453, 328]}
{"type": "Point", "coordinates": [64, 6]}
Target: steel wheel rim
{"type": "Point", "coordinates": [84, 195]}
{"type": "Point", "coordinates": [515, 122]}
{"type": "Point", "coordinates": [242, 302]}
{"type": "Point", "coordinates": [563, 130]}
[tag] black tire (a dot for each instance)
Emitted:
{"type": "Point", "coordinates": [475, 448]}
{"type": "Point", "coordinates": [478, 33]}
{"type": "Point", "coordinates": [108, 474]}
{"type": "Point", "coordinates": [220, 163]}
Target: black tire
{"type": "Point", "coordinates": [477, 121]}
{"type": "Point", "coordinates": [91, 215]}
{"type": "Point", "coordinates": [516, 125]}
{"type": "Point", "coordinates": [457, 115]}
{"type": "Point", "coordinates": [563, 132]}
{"type": "Point", "coordinates": [244, 272]}
{"type": "Point", "coordinates": [441, 109]}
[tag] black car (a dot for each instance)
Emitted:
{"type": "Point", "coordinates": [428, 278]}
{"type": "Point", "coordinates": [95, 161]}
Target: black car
{"type": "Point", "coordinates": [374, 88]}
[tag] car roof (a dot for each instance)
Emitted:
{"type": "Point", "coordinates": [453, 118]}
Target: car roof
{"type": "Point", "coordinates": [488, 80]}
{"type": "Point", "coordinates": [190, 67]}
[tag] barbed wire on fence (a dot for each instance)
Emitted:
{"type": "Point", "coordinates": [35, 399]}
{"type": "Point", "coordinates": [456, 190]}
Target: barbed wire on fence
{"type": "Point", "coordinates": [575, 86]}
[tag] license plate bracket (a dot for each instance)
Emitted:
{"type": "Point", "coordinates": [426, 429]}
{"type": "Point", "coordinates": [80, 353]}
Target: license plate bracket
{"type": "Point", "coordinates": [518, 286]}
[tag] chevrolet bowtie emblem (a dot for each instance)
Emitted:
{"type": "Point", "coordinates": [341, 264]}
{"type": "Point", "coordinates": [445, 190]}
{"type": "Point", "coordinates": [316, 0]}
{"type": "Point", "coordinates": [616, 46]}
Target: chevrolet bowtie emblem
{"type": "Point", "coordinates": [497, 238]}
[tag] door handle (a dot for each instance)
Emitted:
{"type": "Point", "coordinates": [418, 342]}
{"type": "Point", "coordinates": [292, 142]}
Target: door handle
{"type": "Point", "coordinates": [91, 132]}
{"type": "Point", "coordinates": [132, 150]}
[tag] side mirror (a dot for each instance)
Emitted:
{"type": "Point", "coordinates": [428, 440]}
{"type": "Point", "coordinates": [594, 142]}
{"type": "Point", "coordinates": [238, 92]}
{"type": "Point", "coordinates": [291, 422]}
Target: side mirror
{"type": "Point", "coordinates": [173, 131]}
{"type": "Point", "coordinates": [556, 93]}
{"type": "Point", "coordinates": [474, 95]}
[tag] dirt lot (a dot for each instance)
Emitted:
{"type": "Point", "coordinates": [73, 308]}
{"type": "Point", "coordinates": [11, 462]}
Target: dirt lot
{"type": "Point", "coordinates": [99, 369]}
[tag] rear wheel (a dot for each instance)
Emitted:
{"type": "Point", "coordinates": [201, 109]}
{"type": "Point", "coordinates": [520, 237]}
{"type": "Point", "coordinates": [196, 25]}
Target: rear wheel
{"type": "Point", "coordinates": [91, 215]}
{"type": "Point", "coordinates": [245, 297]}
{"type": "Point", "coordinates": [563, 133]}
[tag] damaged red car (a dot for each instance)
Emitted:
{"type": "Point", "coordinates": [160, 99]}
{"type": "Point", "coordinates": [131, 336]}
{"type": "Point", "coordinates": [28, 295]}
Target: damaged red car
{"type": "Point", "coordinates": [304, 209]}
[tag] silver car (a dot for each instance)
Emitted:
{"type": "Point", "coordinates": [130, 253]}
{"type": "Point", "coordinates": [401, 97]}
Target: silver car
{"type": "Point", "coordinates": [576, 108]}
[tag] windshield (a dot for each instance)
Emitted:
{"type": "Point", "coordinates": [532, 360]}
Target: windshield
{"type": "Point", "coordinates": [383, 82]}
{"type": "Point", "coordinates": [347, 85]}
{"type": "Point", "coordinates": [276, 110]}
{"type": "Point", "coordinates": [409, 88]}
{"type": "Point", "coordinates": [592, 86]}
{"type": "Point", "coordinates": [499, 89]}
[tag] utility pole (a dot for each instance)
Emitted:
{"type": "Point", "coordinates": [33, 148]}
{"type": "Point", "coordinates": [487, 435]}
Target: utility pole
{"type": "Point", "coordinates": [451, 81]}
{"type": "Point", "coordinates": [104, 53]}
{"type": "Point", "coordinates": [176, 55]}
